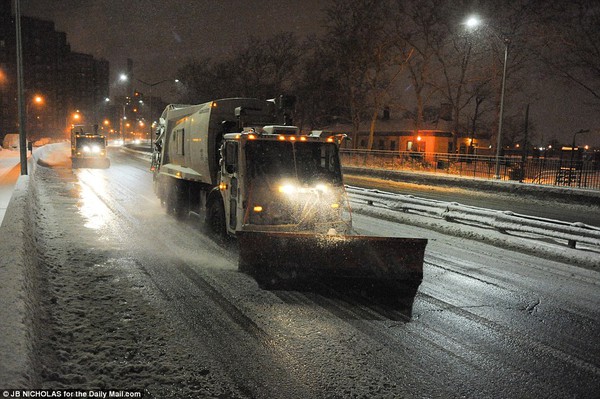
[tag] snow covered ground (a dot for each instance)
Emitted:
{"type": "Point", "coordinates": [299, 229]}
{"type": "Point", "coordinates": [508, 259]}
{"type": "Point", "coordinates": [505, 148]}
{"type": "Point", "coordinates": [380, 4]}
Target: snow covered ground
{"type": "Point", "coordinates": [9, 172]}
{"type": "Point", "coordinates": [94, 240]}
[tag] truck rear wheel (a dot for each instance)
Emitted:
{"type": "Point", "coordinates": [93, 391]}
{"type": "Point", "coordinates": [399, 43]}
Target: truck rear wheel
{"type": "Point", "coordinates": [176, 201]}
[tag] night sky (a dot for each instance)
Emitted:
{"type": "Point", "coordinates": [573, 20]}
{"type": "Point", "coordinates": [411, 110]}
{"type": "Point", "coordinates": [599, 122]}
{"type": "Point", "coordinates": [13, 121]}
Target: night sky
{"type": "Point", "coordinates": [160, 35]}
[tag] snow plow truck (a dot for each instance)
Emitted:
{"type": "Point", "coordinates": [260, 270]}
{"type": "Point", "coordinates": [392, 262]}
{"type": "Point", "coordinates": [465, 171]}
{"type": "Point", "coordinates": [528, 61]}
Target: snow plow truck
{"type": "Point", "coordinates": [88, 147]}
{"type": "Point", "coordinates": [236, 165]}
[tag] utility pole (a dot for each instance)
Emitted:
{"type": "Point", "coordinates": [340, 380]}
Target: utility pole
{"type": "Point", "coordinates": [21, 92]}
{"type": "Point", "coordinates": [525, 145]}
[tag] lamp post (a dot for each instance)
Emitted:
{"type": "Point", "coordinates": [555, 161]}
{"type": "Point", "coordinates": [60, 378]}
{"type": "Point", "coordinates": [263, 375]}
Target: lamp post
{"type": "Point", "coordinates": [37, 100]}
{"type": "Point", "coordinates": [20, 90]}
{"type": "Point", "coordinates": [501, 114]}
{"type": "Point", "coordinates": [472, 23]}
{"type": "Point", "coordinates": [124, 77]}
{"type": "Point", "coordinates": [122, 120]}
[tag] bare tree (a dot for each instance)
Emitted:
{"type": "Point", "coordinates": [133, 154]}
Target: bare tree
{"type": "Point", "coordinates": [355, 31]}
{"type": "Point", "coordinates": [196, 78]}
{"type": "Point", "coordinates": [263, 68]}
{"type": "Point", "coordinates": [572, 42]}
{"type": "Point", "coordinates": [506, 28]}
{"type": "Point", "coordinates": [381, 80]}
{"type": "Point", "coordinates": [318, 89]}
{"type": "Point", "coordinates": [283, 58]}
{"type": "Point", "coordinates": [418, 33]}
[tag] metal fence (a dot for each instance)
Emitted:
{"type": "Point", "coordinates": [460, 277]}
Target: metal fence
{"type": "Point", "coordinates": [544, 171]}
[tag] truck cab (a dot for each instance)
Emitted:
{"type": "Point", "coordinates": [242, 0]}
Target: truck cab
{"type": "Point", "coordinates": [273, 179]}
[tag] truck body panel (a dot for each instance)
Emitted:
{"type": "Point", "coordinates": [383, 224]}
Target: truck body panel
{"type": "Point", "coordinates": [195, 133]}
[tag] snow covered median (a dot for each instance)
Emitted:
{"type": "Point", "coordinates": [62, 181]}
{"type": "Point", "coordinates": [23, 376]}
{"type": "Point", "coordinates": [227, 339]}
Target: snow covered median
{"type": "Point", "coordinates": [18, 293]}
{"type": "Point", "coordinates": [19, 276]}
{"type": "Point", "coordinates": [542, 237]}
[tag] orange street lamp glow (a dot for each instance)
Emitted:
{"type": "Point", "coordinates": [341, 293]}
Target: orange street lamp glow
{"type": "Point", "coordinates": [38, 99]}
{"type": "Point", "coordinates": [106, 122]}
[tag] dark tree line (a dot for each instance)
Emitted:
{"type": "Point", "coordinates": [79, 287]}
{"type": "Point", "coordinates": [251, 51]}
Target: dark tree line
{"type": "Point", "coordinates": [412, 56]}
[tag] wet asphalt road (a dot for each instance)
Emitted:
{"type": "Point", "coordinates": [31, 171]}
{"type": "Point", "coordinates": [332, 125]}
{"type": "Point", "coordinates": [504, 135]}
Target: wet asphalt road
{"type": "Point", "coordinates": [486, 322]}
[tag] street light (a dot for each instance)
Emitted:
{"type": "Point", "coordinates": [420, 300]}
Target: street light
{"type": "Point", "coordinates": [36, 100]}
{"type": "Point", "coordinates": [123, 77]}
{"type": "Point", "coordinates": [472, 23]}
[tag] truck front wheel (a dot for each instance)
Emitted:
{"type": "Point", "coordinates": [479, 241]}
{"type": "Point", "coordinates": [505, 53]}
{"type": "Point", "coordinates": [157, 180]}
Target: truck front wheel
{"type": "Point", "coordinates": [215, 218]}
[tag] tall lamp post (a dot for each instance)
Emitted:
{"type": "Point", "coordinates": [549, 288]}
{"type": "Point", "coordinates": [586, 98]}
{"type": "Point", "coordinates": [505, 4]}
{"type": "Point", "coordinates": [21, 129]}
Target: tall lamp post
{"type": "Point", "coordinates": [472, 23]}
{"type": "Point", "coordinates": [37, 100]}
{"type": "Point", "coordinates": [501, 115]}
{"type": "Point", "coordinates": [21, 90]}
{"type": "Point", "coordinates": [150, 86]}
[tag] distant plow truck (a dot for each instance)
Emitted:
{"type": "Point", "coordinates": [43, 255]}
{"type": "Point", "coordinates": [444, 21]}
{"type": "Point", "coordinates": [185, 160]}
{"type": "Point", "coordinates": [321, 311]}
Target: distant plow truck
{"type": "Point", "coordinates": [233, 163]}
{"type": "Point", "coordinates": [88, 147]}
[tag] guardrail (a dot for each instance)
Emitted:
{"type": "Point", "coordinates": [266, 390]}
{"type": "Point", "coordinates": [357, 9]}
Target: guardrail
{"type": "Point", "coordinates": [502, 221]}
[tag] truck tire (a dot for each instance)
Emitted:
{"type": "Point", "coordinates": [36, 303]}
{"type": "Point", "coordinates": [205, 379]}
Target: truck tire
{"type": "Point", "coordinates": [158, 189]}
{"type": "Point", "coordinates": [215, 218]}
{"type": "Point", "coordinates": [177, 199]}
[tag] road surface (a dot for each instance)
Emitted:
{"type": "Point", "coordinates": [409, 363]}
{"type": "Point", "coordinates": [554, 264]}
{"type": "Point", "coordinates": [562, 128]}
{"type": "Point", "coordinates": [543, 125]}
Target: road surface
{"type": "Point", "coordinates": [133, 298]}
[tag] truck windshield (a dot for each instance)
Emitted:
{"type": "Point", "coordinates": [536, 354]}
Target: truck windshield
{"type": "Point", "coordinates": [309, 163]}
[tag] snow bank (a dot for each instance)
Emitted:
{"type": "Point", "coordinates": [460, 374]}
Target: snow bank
{"type": "Point", "coordinates": [479, 224]}
{"type": "Point", "coordinates": [19, 288]}
{"type": "Point", "coordinates": [502, 221]}
{"type": "Point", "coordinates": [18, 291]}
{"type": "Point", "coordinates": [54, 155]}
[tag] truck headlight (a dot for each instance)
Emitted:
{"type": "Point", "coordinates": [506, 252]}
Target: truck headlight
{"type": "Point", "coordinates": [96, 149]}
{"type": "Point", "coordinates": [86, 148]}
{"type": "Point", "coordinates": [288, 189]}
